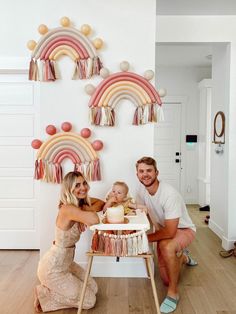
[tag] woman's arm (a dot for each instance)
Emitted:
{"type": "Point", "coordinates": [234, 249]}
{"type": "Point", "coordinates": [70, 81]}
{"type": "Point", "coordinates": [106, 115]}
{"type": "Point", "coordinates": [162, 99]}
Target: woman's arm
{"type": "Point", "coordinates": [73, 213]}
{"type": "Point", "coordinates": [96, 205]}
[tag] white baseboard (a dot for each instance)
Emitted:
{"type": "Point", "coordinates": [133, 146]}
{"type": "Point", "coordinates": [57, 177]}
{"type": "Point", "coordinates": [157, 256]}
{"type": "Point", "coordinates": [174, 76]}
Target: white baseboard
{"type": "Point", "coordinates": [227, 244]}
{"type": "Point", "coordinates": [216, 229]}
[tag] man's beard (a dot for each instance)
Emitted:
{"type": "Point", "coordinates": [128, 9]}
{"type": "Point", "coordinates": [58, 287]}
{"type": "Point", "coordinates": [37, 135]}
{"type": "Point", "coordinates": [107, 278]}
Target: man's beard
{"type": "Point", "coordinates": [150, 184]}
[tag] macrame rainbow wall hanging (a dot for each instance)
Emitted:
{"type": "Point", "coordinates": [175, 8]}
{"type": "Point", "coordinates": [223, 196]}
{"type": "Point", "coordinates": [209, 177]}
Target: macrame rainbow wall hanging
{"type": "Point", "coordinates": [64, 145]}
{"type": "Point", "coordinates": [124, 85]}
{"type": "Point", "coordinates": [60, 41]}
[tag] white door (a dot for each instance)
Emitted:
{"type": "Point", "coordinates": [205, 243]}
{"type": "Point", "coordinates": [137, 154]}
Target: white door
{"type": "Point", "coordinates": [167, 145]}
{"type": "Point", "coordinates": [18, 214]}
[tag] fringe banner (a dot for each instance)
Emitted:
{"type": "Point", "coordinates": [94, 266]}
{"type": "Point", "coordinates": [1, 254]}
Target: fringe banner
{"type": "Point", "coordinates": [148, 113]}
{"type": "Point", "coordinates": [84, 69]}
{"type": "Point", "coordinates": [120, 245]}
{"type": "Point", "coordinates": [104, 116]}
{"type": "Point", "coordinates": [52, 172]}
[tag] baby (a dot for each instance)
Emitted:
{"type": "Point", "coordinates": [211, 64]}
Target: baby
{"type": "Point", "coordinates": [119, 196]}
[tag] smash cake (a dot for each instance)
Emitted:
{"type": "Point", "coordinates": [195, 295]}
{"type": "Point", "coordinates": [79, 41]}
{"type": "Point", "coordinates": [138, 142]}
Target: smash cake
{"type": "Point", "coordinates": [115, 215]}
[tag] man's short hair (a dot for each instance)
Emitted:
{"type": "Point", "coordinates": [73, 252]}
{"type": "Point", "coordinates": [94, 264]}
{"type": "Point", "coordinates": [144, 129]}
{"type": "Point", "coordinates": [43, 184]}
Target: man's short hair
{"type": "Point", "coordinates": [147, 161]}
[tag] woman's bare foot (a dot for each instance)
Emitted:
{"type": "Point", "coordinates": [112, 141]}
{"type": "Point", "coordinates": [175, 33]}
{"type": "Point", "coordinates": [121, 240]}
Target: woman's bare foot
{"type": "Point", "coordinates": [37, 305]}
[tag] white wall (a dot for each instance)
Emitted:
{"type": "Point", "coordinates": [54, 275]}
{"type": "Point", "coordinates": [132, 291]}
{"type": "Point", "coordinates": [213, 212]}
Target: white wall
{"type": "Point", "coordinates": [183, 81]}
{"type": "Point", "coordinates": [128, 30]}
{"type": "Point", "coordinates": [214, 29]}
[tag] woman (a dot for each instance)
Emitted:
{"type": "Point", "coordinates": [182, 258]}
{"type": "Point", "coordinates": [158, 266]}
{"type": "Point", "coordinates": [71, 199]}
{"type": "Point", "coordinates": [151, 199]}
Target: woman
{"type": "Point", "coordinates": [61, 278]}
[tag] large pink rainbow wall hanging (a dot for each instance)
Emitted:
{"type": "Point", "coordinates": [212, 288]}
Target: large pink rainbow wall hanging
{"type": "Point", "coordinates": [64, 145]}
{"type": "Point", "coordinates": [124, 85]}
{"type": "Point", "coordinates": [65, 40]}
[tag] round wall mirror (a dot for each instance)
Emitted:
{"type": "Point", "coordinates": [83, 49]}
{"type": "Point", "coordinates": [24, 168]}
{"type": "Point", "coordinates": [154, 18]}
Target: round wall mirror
{"type": "Point", "coordinates": [219, 128]}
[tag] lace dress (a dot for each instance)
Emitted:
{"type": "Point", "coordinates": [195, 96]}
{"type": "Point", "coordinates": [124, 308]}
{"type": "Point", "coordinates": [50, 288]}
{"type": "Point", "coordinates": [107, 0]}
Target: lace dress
{"type": "Point", "coordinates": [61, 278]}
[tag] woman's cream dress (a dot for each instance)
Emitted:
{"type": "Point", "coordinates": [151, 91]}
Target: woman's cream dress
{"type": "Point", "coordinates": [61, 278]}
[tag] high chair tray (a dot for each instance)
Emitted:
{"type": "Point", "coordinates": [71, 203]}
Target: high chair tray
{"type": "Point", "coordinates": [137, 222]}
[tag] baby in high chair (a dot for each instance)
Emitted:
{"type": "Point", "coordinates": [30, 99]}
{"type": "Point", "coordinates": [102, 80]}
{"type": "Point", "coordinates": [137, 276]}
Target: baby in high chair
{"type": "Point", "coordinates": [119, 196]}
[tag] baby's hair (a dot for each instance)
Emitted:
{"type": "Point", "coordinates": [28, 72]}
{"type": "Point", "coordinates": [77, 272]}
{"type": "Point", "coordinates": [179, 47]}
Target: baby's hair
{"type": "Point", "coordinates": [123, 184]}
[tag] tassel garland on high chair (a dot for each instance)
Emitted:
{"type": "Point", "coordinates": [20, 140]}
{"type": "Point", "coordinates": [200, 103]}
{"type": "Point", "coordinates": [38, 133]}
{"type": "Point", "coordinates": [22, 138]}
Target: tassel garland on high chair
{"type": "Point", "coordinates": [120, 245]}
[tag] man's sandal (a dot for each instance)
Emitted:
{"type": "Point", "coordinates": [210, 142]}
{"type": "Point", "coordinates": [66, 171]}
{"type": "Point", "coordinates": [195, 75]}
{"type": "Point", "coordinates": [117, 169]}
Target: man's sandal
{"type": "Point", "coordinates": [169, 304]}
{"type": "Point", "coordinates": [190, 260]}
{"type": "Point", "coordinates": [226, 254]}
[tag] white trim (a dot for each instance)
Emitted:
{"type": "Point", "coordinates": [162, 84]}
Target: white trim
{"type": "Point", "coordinates": [227, 244]}
{"type": "Point", "coordinates": [182, 100]}
{"type": "Point", "coordinates": [14, 65]}
{"type": "Point", "coordinates": [216, 229]}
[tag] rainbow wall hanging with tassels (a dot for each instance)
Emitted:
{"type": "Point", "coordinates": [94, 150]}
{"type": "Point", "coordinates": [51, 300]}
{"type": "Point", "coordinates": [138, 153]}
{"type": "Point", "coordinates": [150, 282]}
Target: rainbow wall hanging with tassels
{"type": "Point", "coordinates": [124, 85]}
{"type": "Point", "coordinates": [64, 145]}
{"type": "Point", "coordinates": [60, 41]}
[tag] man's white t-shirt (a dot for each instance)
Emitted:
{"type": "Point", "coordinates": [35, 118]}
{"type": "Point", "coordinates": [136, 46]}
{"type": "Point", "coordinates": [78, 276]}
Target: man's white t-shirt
{"type": "Point", "coordinates": [166, 203]}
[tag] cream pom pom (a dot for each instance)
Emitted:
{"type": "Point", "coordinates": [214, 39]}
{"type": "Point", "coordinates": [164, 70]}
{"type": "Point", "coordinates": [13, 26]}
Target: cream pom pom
{"type": "Point", "coordinates": [65, 21]}
{"type": "Point", "coordinates": [42, 29]}
{"type": "Point", "coordinates": [98, 43]}
{"type": "Point", "coordinates": [85, 29]}
{"type": "Point", "coordinates": [89, 89]}
{"type": "Point", "coordinates": [124, 66]}
{"type": "Point", "coordinates": [31, 44]}
{"type": "Point", "coordinates": [104, 72]}
{"type": "Point", "coordinates": [162, 92]}
{"type": "Point", "coordinates": [149, 74]}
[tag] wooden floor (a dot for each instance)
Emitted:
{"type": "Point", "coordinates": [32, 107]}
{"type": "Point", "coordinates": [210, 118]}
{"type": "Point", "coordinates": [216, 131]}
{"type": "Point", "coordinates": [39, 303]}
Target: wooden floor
{"type": "Point", "coordinates": [209, 288]}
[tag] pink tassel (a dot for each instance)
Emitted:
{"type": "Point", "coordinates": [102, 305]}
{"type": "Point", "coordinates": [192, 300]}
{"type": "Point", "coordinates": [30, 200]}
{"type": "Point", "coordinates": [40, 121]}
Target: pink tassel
{"type": "Point", "coordinates": [36, 170]}
{"type": "Point", "coordinates": [52, 73]}
{"type": "Point", "coordinates": [97, 65]}
{"type": "Point", "coordinates": [31, 69]}
{"type": "Point", "coordinates": [135, 119]}
{"type": "Point", "coordinates": [101, 243]}
{"type": "Point", "coordinates": [96, 173]}
{"type": "Point", "coordinates": [98, 116]}
{"type": "Point", "coordinates": [107, 245]}
{"type": "Point", "coordinates": [124, 246]}
{"type": "Point", "coordinates": [94, 245]}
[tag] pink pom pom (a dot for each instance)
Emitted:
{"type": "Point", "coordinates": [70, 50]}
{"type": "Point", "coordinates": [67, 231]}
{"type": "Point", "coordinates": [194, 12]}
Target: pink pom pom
{"type": "Point", "coordinates": [97, 145]}
{"type": "Point", "coordinates": [51, 129]}
{"type": "Point", "coordinates": [36, 144]}
{"type": "Point", "coordinates": [66, 126]}
{"type": "Point", "coordinates": [85, 132]}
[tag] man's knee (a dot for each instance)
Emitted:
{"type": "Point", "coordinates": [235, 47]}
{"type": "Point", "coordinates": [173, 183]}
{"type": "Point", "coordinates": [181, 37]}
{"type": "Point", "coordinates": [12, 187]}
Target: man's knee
{"type": "Point", "coordinates": [167, 248]}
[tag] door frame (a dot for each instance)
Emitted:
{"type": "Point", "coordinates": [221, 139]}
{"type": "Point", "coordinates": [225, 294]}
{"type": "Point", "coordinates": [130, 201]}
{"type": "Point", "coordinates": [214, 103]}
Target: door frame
{"type": "Point", "coordinates": [182, 101]}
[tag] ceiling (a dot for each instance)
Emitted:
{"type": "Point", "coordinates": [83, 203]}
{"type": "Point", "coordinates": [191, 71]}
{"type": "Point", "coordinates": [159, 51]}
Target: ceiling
{"type": "Point", "coordinates": [196, 7]}
{"type": "Point", "coordinates": [172, 54]}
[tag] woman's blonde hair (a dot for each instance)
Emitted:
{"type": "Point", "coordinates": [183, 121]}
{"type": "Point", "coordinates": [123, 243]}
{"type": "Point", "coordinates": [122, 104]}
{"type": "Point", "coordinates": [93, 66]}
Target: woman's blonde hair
{"type": "Point", "coordinates": [67, 190]}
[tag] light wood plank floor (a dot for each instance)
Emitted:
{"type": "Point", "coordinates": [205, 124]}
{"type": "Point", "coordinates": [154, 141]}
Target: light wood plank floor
{"type": "Point", "coordinates": [209, 288]}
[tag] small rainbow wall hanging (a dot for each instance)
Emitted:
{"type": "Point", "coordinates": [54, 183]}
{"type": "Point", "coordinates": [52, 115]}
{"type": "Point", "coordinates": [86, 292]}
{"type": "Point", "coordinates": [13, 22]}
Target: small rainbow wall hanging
{"type": "Point", "coordinates": [64, 145]}
{"type": "Point", "coordinates": [65, 40]}
{"type": "Point", "coordinates": [124, 85]}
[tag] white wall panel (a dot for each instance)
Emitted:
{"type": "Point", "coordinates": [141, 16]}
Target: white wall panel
{"type": "Point", "coordinates": [16, 125]}
{"type": "Point", "coordinates": [16, 94]}
{"type": "Point", "coordinates": [16, 187]}
{"type": "Point", "coordinates": [17, 219]}
{"type": "Point", "coordinates": [16, 156]}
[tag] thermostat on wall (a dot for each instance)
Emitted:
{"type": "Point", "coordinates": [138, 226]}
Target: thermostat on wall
{"type": "Point", "coordinates": [191, 138]}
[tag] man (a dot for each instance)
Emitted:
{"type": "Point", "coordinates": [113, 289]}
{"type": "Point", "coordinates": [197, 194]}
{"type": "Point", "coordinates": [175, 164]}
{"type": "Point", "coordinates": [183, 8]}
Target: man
{"type": "Point", "coordinates": [174, 228]}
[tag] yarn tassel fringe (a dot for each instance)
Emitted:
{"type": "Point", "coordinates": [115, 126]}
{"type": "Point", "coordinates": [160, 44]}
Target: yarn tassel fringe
{"type": "Point", "coordinates": [148, 113]}
{"type": "Point", "coordinates": [104, 116]}
{"type": "Point", "coordinates": [84, 69]}
{"type": "Point", "coordinates": [52, 172]}
{"type": "Point", "coordinates": [120, 245]}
